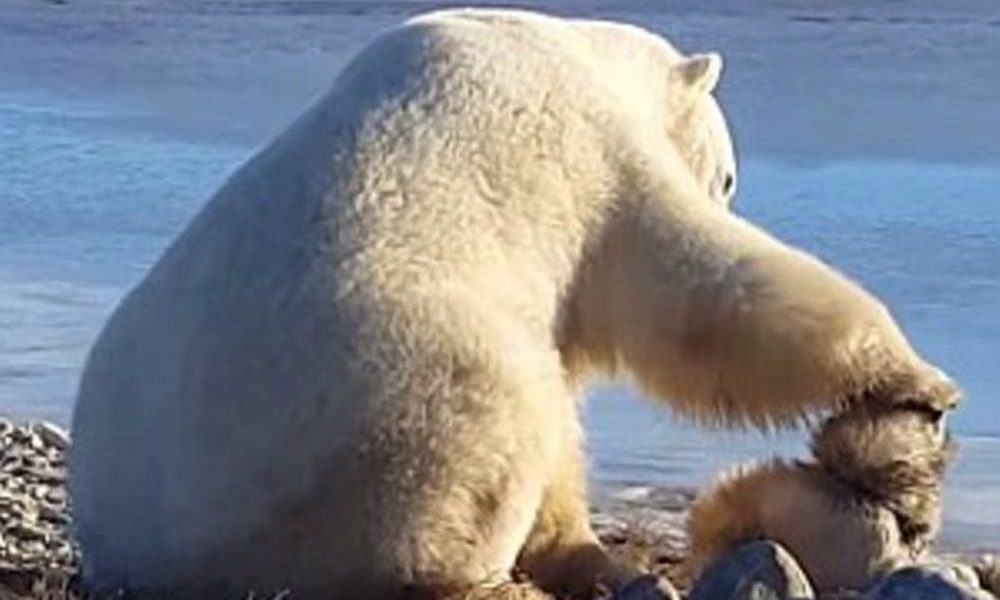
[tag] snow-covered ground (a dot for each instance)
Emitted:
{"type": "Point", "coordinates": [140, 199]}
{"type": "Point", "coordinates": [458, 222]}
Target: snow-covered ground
{"type": "Point", "coordinates": [868, 132]}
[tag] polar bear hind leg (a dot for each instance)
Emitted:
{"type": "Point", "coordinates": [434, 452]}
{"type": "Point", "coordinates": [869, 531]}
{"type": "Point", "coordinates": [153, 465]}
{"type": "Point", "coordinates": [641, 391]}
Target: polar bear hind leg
{"type": "Point", "coordinates": [562, 554]}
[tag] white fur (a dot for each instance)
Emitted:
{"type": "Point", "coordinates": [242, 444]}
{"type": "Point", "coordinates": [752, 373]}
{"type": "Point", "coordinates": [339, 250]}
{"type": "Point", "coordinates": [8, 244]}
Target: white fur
{"type": "Point", "coordinates": [358, 367]}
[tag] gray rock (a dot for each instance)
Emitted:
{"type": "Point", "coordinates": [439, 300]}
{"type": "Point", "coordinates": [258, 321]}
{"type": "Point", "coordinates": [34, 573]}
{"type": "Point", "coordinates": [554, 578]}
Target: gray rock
{"type": "Point", "coordinates": [647, 587]}
{"type": "Point", "coordinates": [52, 515]}
{"type": "Point", "coordinates": [35, 548]}
{"type": "Point", "coordinates": [9, 501]}
{"type": "Point", "coordinates": [988, 570]}
{"type": "Point", "coordinates": [56, 495]}
{"type": "Point", "coordinates": [756, 571]}
{"type": "Point", "coordinates": [964, 574]}
{"type": "Point", "coordinates": [34, 516]}
{"type": "Point", "coordinates": [925, 583]}
{"type": "Point", "coordinates": [26, 531]}
{"type": "Point", "coordinates": [952, 566]}
{"type": "Point", "coordinates": [52, 435]}
{"type": "Point", "coordinates": [43, 475]}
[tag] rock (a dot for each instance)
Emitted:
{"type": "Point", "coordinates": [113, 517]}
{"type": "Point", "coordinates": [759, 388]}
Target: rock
{"type": "Point", "coordinates": [26, 531]}
{"type": "Point", "coordinates": [56, 496]}
{"type": "Point", "coordinates": [35, 548]}
{"type": "Point", "coordinates": [925, 583]}
{"type": "Point", "coordinates": [988, 571]}
{"type": "Point", "coordinates": [43, 475]}
{"type": "Point", "coordinates": [34, 516]}
{"type": "Point", "coordinates": [12, 454]}
{"type": "Point", "coordinates": [14, 581]}
{"type": "Point", "coordinates": [52, 436]}
{"type": "Point", "coordinates": [9, 501]}
{"type": "Point", "coordinates": [38, 493]}
{"type": "Point", "coordinates": [52, 515]}
{"type": "Point", "coordinates": [646, 587]}
{"type": "Point", "coordinates": [953, 567]}
{"type": "Point", "coordinates": [756, 571]}
{"type": "Point", "coordinates": [964, 574]}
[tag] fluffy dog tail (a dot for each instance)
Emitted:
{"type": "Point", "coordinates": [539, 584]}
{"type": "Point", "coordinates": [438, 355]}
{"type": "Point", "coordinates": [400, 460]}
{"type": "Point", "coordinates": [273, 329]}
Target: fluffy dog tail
{"type": "Point", "coordinates": [729, 513]}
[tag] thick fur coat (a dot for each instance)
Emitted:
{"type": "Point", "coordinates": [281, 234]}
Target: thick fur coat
{"type": "Point", "coordinates": [357, 370]}
{"type": "Point", "coordinates": [868, 503]}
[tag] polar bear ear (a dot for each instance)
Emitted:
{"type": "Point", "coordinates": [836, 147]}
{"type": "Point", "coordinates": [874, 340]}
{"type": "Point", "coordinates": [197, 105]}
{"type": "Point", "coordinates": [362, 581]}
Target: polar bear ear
{"type": "Point", "coordinates": [701, 72]}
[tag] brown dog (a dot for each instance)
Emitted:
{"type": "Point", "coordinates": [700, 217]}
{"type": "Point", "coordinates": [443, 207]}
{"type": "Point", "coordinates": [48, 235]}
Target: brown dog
{"type": "Point", "coordinates": [868, 502]}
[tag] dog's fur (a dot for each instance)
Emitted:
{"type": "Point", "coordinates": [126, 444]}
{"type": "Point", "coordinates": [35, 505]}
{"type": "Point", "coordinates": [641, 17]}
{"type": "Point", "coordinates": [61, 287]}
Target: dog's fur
{"type": "Point", "coordinates": [868, 502]}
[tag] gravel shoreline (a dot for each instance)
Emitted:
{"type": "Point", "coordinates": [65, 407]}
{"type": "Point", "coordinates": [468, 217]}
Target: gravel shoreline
{"type": "Point", "coordinates": [37, 553]}
{"type": "Point", "coordinates": [40, 561]}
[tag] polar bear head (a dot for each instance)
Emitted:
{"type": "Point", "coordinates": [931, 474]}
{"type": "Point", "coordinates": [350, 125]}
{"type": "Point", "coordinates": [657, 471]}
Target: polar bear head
{"type": "Point", "coordinates": [699, 128]}
{"type": "Point", "coordinates": [657, 80]}
{"type": "Point", "coordinates": [668, 91]}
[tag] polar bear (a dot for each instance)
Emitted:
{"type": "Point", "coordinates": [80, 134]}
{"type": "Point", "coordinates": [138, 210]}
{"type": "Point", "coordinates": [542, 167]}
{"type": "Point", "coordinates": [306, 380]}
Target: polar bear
{"type": "Point", "coordinates": [867, 503]}
{"type": "Point", "coordinates": [356, 372]}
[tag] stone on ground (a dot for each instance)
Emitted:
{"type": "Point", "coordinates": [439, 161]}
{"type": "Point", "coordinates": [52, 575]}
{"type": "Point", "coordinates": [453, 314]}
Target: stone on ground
{"type": "Point", "coordinates": [925, 583]}
{"type": "Point", "coordinates": [756, 571]}
{"type": "Point", "coordinates": [988, 570]}
{"type": "Point", "coordinates": [647, 587]}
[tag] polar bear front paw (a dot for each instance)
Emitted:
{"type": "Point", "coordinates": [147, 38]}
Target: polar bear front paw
{"type": "Point", "coordinates": [926, 388]}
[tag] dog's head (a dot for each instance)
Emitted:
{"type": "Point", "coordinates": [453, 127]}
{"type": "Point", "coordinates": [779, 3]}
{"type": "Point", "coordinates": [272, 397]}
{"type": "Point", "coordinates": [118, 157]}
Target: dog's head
{"type": "Point", "coordinates": [881, 450]}
{"type": "Point", "coordinates": [894, 456]}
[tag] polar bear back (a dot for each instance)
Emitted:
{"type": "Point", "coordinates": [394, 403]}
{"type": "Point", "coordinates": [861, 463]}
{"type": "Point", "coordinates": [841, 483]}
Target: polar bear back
{"type": "Point", "coordinates": [461, 159]}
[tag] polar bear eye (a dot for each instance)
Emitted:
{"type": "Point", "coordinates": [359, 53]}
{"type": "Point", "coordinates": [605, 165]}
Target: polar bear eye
{"type": "Point", "coordinates": [728, 183]}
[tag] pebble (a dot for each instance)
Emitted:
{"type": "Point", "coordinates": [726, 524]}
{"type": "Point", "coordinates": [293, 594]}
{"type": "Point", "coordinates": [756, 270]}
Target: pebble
{"type": "Point", "coordinates": [962, 573]}
{"type": "Point", "coordinates": [988, 570]}
{"type": "Point", "coordinates": [756, 571]}
{"type": "Point", "coordinates": [52, 436]}
{"type": "Point", "coordinates": [35, 544]}
{"type": "Point", "coordinates": [647, 587]}
{"type": "Point", "coordinates": [925, 583]}
{"type": "Point", "coordinates": [34, 508]}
